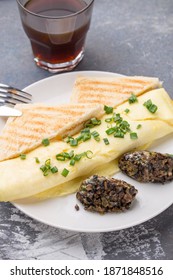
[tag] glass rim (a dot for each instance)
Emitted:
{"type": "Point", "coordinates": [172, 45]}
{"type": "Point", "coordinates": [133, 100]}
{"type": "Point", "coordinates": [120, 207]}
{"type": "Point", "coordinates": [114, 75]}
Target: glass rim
{"type": "Point", "coordinates": [55, 17]}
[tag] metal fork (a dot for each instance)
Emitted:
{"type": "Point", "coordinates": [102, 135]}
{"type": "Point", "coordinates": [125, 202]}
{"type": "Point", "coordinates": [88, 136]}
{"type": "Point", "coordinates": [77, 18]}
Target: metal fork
{"type": "Point", "coordinates": [10, 96]}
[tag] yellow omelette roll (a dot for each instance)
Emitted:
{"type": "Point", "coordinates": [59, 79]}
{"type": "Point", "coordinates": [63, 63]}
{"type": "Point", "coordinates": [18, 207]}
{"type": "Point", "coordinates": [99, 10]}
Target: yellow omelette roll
{"type": "Point", "coordinates": [23, 178]}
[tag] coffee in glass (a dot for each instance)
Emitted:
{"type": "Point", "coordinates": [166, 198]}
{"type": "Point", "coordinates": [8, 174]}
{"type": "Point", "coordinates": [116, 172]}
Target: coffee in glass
{"type": "Point", "coordinates": [57, 31]}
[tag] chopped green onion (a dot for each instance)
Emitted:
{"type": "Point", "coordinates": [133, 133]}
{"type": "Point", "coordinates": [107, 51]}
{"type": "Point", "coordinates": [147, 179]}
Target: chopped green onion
{"type": "Point", "coordinates": [46, 173]}
{"type": "Point", "coordinates": [45, 142]}
{"type": "Point", "coordinates": [126, 110]}
{"type": "Point", "coordinates": [72, 162]}
{"type": "Point", "coordinates": [73, 142]}
{"type": "Point", "coordinates": [119, 134]}
{"type": "Point", "coordinates": [110, 130]}
{"type": "Point", "coordinates": [87, 154]}
{"type": "Point", "coordinates": [45, 169]}
{"type": "Point", "coordinates": [117, 118]}
{"type": "Point", "coordinates": [37, 160]}
{"type": "Point", "coordinates": [79, 138]}
{"type": "Point", "coordinates": [71, 154]}
{"type": "Point", "coordinates": [148, 103]}
{"type": "Point", "coordinates": [133, 135]}
{"type": "Point", "coordinates": [95, 121]}
{"type": "Point", "coordinates": [68, 139]}
{"type": "Point", "coordinates": [78, 157]}
{"type": "Point", "coordinates": [89, 125]}
{"type": "Point", "coordinates": [54, 169]}
{"type": "Point", "coordinates": [86, 136]}
{"type": "Point", "coordinates": [23, 156]}
{"type": "Point", "coordinates": [121, 127]}
{"type": "Point", "coordinates": [125, 125]}
{"type": "Point", "coordinates": [65, 172]}
{"type": "Point", "coordinates": [85, 130]}
{"type": "Point", "coordinates": [47, 162]}
{"type": "Point", "coordinates": [63, 156]}
{"type": "Point", "coordinates": [132, 98]}
{"type": "Point", "coordinates": [106, 141]}
{"type": "Point", "coordinates": [92, 122]}
{"type": "Point", "coordinates": [108, 110]}
{"type": "Point", "coordinates": [95, 134]}
{"type": "Point", "coordinates": [68, 155]}
{"type": "Point", "coordinates": [60, 157]}
{"type": "Point", "coordinates": [152, 108]}
{"type": "Point", "coordinates": [139, 126]}
{"type": "Point", "coordinates": [108, 120]}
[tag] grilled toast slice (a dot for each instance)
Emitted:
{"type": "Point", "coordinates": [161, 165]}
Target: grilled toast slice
{"type": "Point", "coordinates": [111, 91]}
{"type": "Point", "coordinates": [38, 121]}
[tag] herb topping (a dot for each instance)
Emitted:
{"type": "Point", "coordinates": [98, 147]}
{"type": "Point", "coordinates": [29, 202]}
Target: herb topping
{"type": "Point", "coordinates": [132, 98]}
{"type": "Point", "coordinates": [152, 108]}
{"type": "Point", "coordinates": [108, 110]}
{"type": "Point", "coordinates": [45, 142]}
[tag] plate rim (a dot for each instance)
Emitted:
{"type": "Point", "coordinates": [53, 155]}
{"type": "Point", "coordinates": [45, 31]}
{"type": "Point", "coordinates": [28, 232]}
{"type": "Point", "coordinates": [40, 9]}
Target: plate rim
{"type": "Point", "coordinates": [95, 230]}
{"type": "Point", "coordinates": [71, 73]}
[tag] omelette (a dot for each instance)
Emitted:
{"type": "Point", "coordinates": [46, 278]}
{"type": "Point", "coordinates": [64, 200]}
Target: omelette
{"type": "Point", "coordinates": [101, 143]}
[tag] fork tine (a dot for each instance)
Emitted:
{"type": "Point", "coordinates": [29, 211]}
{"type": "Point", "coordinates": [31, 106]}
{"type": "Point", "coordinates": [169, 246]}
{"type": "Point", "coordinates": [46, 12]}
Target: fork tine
{"type": "Point", "coordinates": [12, 97]}
{"type": "Point", "coordinates": [15, 91]}
{"type": "Point", "coordinates": [6, 102]}
{"type": "Point", "coordinates": [20, 93]}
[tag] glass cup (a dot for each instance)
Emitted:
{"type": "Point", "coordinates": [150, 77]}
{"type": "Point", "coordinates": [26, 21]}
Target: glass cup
{"type": "Point", "coordinates": [57, 31]}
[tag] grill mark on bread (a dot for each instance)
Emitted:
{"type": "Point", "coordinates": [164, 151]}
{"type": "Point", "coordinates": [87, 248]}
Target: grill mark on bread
{"type": "Point", "coordinates": [108, 99]}
{"type": "Point", "coordinates": [100, 95]}
{"type": "Point", "coordinates": [111, 91]}
{"type": "Point", "coordinates": [116, 81]}
{"type": "Point", "coordinates": [23, 134]}
{"type": "Point", "coordinates": [118, 89]}
{"type": "Point", "coordinates": [36, 127]}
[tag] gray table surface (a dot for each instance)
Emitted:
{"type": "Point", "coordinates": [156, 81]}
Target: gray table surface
{"type": "Point", "coordinates": [131, 37]}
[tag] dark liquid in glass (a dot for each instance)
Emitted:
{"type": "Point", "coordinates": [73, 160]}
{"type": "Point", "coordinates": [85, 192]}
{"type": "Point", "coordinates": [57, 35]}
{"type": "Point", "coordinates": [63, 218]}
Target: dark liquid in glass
{"type": "Point", "coordinates": [51, 47]}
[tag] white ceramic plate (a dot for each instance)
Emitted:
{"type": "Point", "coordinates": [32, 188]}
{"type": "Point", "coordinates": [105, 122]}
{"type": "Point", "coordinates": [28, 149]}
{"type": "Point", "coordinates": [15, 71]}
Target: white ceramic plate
{"type": "Point", "coordinates": [151, 200]}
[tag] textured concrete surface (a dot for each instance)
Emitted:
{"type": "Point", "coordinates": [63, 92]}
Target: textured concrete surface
{"type": "Point", "coordinates": [131, 37]}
